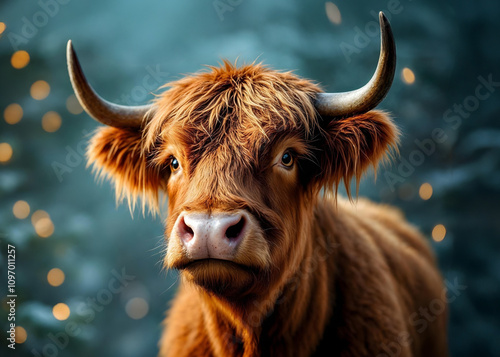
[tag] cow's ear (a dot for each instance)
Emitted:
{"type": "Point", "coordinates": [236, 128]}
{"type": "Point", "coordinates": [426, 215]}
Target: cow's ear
{"type": "Point", "coordinates": [355, 143]}
{"type": "Point", "coordinates": [118, 155]}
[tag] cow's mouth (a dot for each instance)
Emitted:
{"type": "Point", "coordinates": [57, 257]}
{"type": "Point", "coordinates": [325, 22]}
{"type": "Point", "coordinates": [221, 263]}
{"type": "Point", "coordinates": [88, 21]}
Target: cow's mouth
{"type": "Point", "coordinates": [213, 263]}
{"type": "Point", "coordinates": [223, 277]}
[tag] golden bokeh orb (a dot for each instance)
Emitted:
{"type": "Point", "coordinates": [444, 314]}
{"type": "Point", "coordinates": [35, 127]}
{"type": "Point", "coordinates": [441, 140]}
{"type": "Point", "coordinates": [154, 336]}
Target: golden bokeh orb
{"type": "Point", "coordinates": [438, 233]}
{"type": "Point", "coordinates": [61, 311]}
{"type": "Point", "coordinates": [55, 277]}
{"type": "Point", "coordinates": [333, 13]}
{"type": "Point", "coordinates": [44, 227]}
{"type": "Point", "coordinates": [21, 334]}
{"type": "Point", "coordinates": [40, 90]}
{"type": "Point", "coordinates": [5, 152]}
{"type": "Point", "coordinates": [408, 76]}
{"type": "Point", "coordinates": [20, 59]}
{"type": "Point", "coordinates": [137, 308]}
{"type": "Point", "coordinates": [21, 209]}
{"type": "Point", "coordinates": [51, 122]}
{"type": "Point", "coordinates": [425, 191]}
{"type": "Point", "coordinates": [13, 113]}
{"type": "Point", "coordinates": [42, 223]}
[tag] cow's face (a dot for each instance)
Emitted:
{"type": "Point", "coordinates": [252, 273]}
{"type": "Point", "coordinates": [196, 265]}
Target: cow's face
{"type": "Point", "coordinates": [242, 154]}
{"type": "Point", "coordinates": [234, 145]}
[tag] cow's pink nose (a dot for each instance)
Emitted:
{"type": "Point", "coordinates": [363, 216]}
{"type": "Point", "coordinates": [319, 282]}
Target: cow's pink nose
{"type": "Point", "coordinates": [211, 236]}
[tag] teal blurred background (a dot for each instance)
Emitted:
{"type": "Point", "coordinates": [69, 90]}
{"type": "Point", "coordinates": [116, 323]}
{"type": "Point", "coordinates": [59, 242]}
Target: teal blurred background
{"type": "Point", "coordinates": [447, 179]}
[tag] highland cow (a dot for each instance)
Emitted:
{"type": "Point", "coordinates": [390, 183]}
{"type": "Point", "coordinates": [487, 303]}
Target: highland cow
{"type": "Point", "coordinates": [272, 261]}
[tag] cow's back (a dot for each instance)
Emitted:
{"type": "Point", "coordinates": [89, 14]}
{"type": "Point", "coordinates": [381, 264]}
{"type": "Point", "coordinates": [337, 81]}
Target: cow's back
{"type": "Point", "coordinates": [385, 285]}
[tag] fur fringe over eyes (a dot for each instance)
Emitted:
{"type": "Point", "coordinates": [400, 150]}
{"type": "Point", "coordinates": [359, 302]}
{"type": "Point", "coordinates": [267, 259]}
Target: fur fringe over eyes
{"type": "Point", "coordinates": [250, 103]}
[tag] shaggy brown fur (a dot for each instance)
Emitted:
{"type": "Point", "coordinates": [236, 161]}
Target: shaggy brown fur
{"type": "Point", "coordinates": [319, 275]}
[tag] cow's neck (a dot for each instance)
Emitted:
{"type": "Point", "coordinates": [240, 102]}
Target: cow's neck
{"type": "Point", "coordinates": [297, 311]}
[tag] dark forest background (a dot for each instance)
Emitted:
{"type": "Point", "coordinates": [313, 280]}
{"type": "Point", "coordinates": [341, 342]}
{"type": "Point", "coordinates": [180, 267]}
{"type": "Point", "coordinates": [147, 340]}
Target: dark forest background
{"type": "Point", "coordinates": [446, 179]}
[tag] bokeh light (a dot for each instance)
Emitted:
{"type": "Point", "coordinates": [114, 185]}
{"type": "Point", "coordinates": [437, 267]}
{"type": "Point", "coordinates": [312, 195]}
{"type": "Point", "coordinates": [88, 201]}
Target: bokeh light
{"type": "Point", "coordinates": [20, 59]}
{"type": "Point", "coordinates": [55, 277]}
{"type": "Point", "coordinates": [5, 152]}
{"type": "Point", "coordinates": [40, 90]}
{"type": "Point", "coordinates": [2, 27]}
{"type": "Point", "coordinates": [438, 233]}
{"type": "Point", "coordinates": [37, 215]}
{"type": "Point", "coordinates": [61, 311]}
{"type": "Point", "coordinates": [408, 76]}
{"type": "Point", "coordinates": [51, 122]}
{"type": "Point", "coordinates": [21, 209]}
{"type": "Point", "coordinates": [13, 113]}
{"type": "Point", "coordinates": [333, 13]}
{"type": "Point", "coordinates": [42, 223]}
{"type": "Point", "coordinates": [425, 191]}
{"type": "Point", "coordinates": [73, 105]}
{"type": "Point", "coordinates": [137, 308]}
{"type": "Point", "coordinates": [44, 227]}
{"type": "Point", "coordinates": [21, 334]}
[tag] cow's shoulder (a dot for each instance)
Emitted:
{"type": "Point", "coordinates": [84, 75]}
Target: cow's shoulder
{"type": "Point", "coordinates": [366, 223]}
{"type": "Point", "coordinates": [385, 271]}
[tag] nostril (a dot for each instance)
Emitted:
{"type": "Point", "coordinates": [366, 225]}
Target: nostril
{"type": "Point", "coordinates": [185, 231]}
{"type": "Point", "coordinates": [234, 231]}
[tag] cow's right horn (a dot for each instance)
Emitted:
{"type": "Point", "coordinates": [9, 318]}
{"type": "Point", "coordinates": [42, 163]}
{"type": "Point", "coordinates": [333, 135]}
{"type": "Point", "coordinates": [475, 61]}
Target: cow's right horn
{"type": "Point", "coordinates": [371, 94]}
{"type": "Point", "coordinates": [107, 113]}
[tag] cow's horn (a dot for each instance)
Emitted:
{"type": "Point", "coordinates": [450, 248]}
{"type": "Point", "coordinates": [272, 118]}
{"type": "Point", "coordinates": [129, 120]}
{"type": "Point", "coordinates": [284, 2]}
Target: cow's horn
{"type": "Point", "coordinates": [105, 112]}
{"type": "Point", "coordinates": [367, 97]}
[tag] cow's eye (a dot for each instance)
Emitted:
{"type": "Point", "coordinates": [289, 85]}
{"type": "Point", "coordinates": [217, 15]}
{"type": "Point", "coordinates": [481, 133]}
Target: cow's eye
{"type": "Point", "coordinates": [174, 164]}
{"type": "Point", "coordinates": [287, 159]}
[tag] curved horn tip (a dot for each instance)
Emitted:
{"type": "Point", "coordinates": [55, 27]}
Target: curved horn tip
{"type": "Point", "coordinates": [384, 21]}
{"type": "Point", "coordinates": [382, 17]}
{"type": "Point", "coordinates": [69, 46]}
{"type": "Point", "coordinates": [105, 112]}
{"type": "Point", "coordinates": [70, 53]}
{"type": "Point", "coordinates": [371, 94]}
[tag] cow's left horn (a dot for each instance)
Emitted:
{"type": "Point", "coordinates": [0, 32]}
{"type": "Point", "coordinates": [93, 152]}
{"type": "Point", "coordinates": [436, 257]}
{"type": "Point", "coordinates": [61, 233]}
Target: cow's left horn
{"type": "Point", "coordinates": [105, 112]}
{"type": "Point", "coordinates": [371, 94]}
